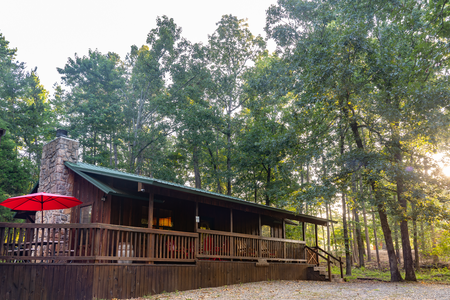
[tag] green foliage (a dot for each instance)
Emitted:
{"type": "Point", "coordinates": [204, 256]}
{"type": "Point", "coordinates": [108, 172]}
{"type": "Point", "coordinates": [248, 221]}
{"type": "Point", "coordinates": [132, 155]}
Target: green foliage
{"type": "Point", "coordinates": [27, 116]}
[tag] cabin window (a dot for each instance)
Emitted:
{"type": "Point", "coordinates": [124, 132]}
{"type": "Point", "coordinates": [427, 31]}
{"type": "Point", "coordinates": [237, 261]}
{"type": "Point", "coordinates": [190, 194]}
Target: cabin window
{"type": "Point", "coordinates": [266, 231]}
{"type": "Point", "coordinates": [163, 220]}
{"type": "Point", "coordinates": [86, 214]}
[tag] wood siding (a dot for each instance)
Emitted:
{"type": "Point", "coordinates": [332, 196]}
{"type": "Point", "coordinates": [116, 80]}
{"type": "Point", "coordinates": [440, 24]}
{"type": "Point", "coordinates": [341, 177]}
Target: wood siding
{"type": "Point", "coordinates": [89, 281]}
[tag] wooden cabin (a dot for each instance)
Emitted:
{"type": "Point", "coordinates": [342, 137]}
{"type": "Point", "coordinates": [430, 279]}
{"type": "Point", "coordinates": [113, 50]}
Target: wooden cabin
{"type": "Point", "coordinates": [135, 236]}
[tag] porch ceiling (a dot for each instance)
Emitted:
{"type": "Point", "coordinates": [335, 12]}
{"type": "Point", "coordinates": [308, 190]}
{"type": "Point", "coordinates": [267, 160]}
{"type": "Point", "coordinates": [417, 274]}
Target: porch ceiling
{"type": "Point", "coordinates": [85, 170]}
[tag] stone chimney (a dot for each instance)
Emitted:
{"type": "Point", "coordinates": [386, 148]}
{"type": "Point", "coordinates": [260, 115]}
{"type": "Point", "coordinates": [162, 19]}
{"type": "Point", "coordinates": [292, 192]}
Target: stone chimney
{"type": "Point", "coordinates": [54, 177]}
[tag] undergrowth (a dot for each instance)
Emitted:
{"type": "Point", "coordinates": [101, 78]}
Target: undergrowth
{"type": "Point", "coordinates": [441, 275]}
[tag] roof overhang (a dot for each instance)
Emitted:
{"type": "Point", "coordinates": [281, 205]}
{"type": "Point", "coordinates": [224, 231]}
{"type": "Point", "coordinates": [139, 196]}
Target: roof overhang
{"type": "Point", "coordinates": [83, 170]}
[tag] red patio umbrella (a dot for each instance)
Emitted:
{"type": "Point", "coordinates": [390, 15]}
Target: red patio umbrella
{"type": "Point", "coordinates": [41, 202]}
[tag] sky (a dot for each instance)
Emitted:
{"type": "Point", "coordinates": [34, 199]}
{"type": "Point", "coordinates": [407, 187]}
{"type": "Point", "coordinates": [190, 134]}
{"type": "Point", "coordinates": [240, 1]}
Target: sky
{"type": "Point", "coordinates": [47, 32]}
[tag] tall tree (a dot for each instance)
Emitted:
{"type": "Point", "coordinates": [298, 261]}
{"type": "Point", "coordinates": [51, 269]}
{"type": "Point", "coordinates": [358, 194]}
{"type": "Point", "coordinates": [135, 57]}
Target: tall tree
{"type": "Point", "coordinates": [93, 102]}
{"type": "Point", "coordinates": [232, 50]}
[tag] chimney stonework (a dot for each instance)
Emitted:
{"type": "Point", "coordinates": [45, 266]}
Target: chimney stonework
{"type": "Point", "coordinates": [55, 177]}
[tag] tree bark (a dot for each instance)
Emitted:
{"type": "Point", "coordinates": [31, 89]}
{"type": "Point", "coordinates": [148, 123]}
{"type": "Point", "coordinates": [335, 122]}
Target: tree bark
{"type": "Point", "coordinates": [397, 246]}
{"type": "Point", "coordinates": [351, 227]}
{"type": "Point", "coordinates": [348, 258]}
{"type": "Point", "coordinates": [415, 243]}
{"type": "Point", "coordinates": [359, 239]}
{"type": "Point", "coordinates": [393, 266]}
{"type": "Point", "coordinates": [410, 274]}
{"type": "Point", "coordinates": [198, 182]}
{"type": "Point", "coordinates": [376, 240]}
{"type": "Point", "coordinates": [328, 229]}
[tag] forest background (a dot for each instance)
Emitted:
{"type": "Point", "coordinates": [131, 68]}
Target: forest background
{"type": "Point", "coordinates": [348, 119]}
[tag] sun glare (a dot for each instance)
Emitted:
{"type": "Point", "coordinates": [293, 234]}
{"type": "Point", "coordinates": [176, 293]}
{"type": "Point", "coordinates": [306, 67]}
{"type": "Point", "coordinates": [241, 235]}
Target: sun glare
{"type": "Point", "coordinates": [445, 167]}
{"type": "Point", "coordinates": [446, 170]}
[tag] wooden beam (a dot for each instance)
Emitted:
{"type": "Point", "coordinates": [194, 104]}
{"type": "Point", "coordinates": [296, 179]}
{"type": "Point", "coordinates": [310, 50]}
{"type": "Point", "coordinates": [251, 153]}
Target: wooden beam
{"type": "Point", "coordinates": [231, 220]}
{"type": "Point", "coordinates": [283, 234]}
{"type": "Point", "coordinates": [196, 215]}
{"type": "Point", "coordinates": [259, 225]}
{"type": "Point", "coordinates": [150, 209]}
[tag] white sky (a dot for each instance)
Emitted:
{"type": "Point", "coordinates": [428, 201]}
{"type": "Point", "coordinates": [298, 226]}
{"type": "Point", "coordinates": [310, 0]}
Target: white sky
{"type": "Point", "coordinates": [47, 32]}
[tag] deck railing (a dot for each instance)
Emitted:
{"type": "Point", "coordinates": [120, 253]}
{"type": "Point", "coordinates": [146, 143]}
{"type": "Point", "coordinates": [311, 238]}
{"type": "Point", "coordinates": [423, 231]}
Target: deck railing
{"type": "Point", "coordinates": [93, 243]}
{"type": "Point", "coordinates": [223, 245]}
{"type": "Point", "coordinates": [105, 243]}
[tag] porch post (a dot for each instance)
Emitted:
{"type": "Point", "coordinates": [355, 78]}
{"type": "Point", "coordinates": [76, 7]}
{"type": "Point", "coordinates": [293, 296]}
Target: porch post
{"type": "Point", "coordinates": [315, 229]}
{"type": "Point", "coordinates": [303, 232]}
{"type": "Point", "coordinates": [231, 237]}
{"type": "Point", "coordinates": [283, 233]}
{"type": "Point", "coordinates": [196, 215]}
{"type": "Point", "coordinates": [151, 239]}
{"type": "Point", "coordinates": [150, 209]}
{"type": "Point", "coordinates": [260, 235]}
{"type": "Point", "coordinates": [231, 220]}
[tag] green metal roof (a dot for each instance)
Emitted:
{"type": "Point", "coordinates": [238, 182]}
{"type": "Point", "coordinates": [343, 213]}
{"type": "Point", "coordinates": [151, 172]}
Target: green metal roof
{"type": "Point", "coordinates": [82, 168]}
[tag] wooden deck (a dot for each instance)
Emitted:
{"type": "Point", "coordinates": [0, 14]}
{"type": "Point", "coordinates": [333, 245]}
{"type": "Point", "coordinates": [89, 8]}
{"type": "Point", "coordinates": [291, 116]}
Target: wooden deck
{"type": "Point", "coordinates": [106, 281]}
{"type": "Point", "coordinates": [102, 261]}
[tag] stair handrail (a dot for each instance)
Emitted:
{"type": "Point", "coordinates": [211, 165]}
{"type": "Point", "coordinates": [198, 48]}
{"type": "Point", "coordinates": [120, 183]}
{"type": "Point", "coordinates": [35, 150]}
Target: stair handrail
{"type": "Point", "coordinates": [339, 260]}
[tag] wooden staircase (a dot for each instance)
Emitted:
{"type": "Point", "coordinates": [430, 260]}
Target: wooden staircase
{"type": "Point", "coordinates": [321, 274]}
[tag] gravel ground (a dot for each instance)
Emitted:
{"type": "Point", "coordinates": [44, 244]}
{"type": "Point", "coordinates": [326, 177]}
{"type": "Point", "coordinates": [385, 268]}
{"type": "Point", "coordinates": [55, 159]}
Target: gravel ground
{"type": "Point", "coordinates": [315, 290]}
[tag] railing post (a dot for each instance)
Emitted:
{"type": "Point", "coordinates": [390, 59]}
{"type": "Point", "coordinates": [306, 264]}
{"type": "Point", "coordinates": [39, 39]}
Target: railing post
{"type": "Point", "coordinates": [152, 246]}
{"type": "Point", "coordinates": [97, 232]}
{"type": "Point", "coordinates": [2, 237]}
{"type": "Point", "coordinates": [231, 245]}
{"type": "Point", "coordinates": [329, 267]}
{"type": "Point", "coordinates": [197, 242]}
{"type": "Point", "coordinates": [259, 247]}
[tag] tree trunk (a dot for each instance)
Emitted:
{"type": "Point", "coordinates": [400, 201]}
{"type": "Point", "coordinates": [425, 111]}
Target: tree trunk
{"type": "Point", "coordinates": [359, 239]}
{"type": "Point", "coordinates": [410, 274]}
{"type": "Point", "coordinates": [267, 185]}
{"type": "Point", "coordinates": [229, 157]}
{"type": "Point", "coordinates": [216, 172]}
{"type": "Point", "coordinates": [369, 256]}
{"type": "Point", "coordinates": [433, 244]}
{"type": "Point", "coordinates": [351, 228]}
{"type": "Point", "coordinates": [416, 246]}
{"type": "Point", "coordinates": [354, 238]}
{"type": "Point", "coordinates": [328, 229]}
{"type": "Point", "coordinates": [198, 182]}
{"type": "Point", "coordinates": [393, 266]}
{"type": "Point", "coordinates": [422, 237]}
{"type": "Point", "coordinates": [348, 259]}
{"type": "Point", "coordinates": [397, 246]}
{"type": "Point", "coordinates": [376, 240]}
{"type": "Point", "coordinates": [332, 231]}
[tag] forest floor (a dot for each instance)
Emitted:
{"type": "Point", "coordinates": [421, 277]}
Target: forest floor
{"type": "Point", "coordinates": [428, 273]}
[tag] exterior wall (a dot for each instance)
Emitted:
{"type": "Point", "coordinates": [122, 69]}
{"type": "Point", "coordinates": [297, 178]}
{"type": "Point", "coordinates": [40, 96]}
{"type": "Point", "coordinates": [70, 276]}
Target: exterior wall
{"type": "Point", "coordinates": [55, 178]}
{"type": "Point", "coordinates": [101, 281]}
{"type": "Point", "coordinates": [90, 195]}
